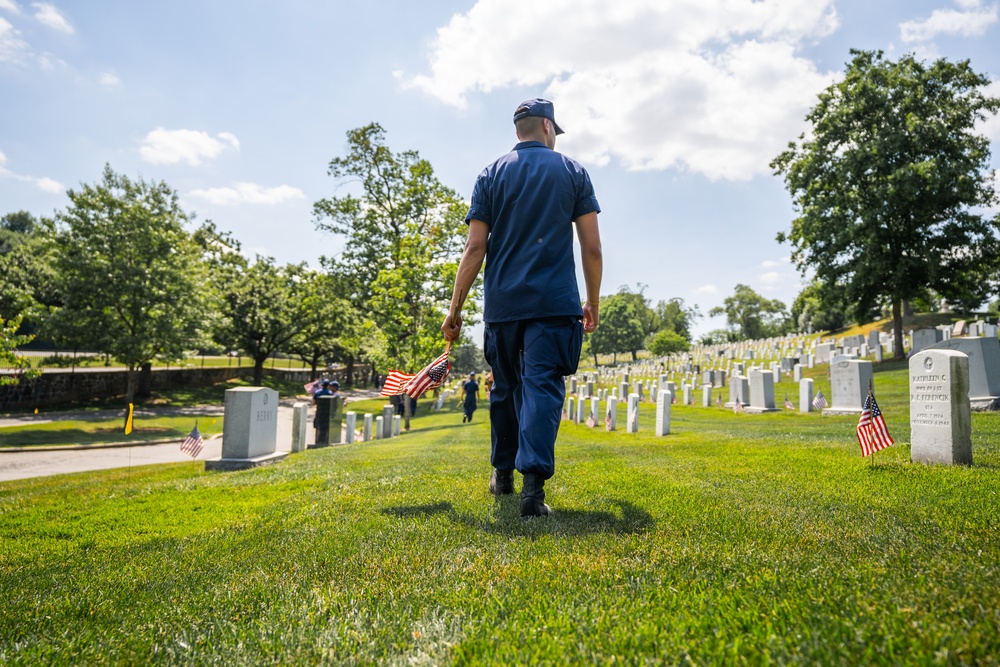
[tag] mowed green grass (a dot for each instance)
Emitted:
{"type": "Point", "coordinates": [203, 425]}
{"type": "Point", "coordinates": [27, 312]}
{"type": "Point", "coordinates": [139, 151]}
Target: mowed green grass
{"type": "Point", "coordinates": [738, 538]}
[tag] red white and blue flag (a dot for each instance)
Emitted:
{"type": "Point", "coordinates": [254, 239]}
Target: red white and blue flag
{"type": "Point", "coordinates": [788, 404]}
{"type": "Point", "coordinates": [873, 435]}
{"type": "Point", "coordinates": [414, 386]}
{"type": "Point", "coordinates": [819, 402]}
{"type": "Point", "coordinates": [193, 443]}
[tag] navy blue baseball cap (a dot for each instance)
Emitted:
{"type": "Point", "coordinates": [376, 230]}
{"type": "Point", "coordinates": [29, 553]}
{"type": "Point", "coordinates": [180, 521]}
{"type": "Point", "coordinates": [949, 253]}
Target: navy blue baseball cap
{"type": "Point", "coordinates": [537, 107]}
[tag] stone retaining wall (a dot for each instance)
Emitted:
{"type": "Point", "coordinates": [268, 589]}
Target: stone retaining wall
{"type": "Point", "coordinates": [59, 387]}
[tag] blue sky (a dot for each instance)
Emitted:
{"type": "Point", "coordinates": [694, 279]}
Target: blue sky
{"type": "Point", "coordinates": [676, 108]}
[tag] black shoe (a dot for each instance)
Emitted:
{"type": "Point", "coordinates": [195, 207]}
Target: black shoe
{"type": "Point", "coordinates": [502, 482]}
{"type": "Point", "coordinates": [533, 497]}
{"type": "Point", "coordinates": [463, 419]}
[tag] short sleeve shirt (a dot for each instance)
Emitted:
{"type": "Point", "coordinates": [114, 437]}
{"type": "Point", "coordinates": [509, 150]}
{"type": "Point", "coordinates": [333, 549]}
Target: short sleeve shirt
{"type": "Point", "coordinates": [530, 198]}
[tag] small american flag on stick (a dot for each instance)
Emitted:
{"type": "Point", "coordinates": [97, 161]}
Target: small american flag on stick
{"type": "Point", "coordinates": [414, 386]}
{"type": "Point", "coordinates": [788, 404]}
{"type": "Point", "coordinates": [193, 443]}
{"type": "Point", "coordinates": [819, 402]}
{"type": "Point", "coordinates": [873, 435]}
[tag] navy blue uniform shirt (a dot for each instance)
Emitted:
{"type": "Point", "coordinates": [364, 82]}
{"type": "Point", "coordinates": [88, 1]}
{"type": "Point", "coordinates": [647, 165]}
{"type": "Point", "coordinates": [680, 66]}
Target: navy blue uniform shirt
{"type": "Point", "coordinates": [530, 198]}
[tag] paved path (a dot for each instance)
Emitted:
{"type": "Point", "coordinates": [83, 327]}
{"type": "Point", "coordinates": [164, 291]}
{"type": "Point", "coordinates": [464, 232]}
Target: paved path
{"type": "Point", "coordinates": [21, 465]}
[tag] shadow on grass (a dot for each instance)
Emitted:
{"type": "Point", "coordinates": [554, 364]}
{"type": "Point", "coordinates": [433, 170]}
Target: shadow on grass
{"type": "Point", "coordinates": [506, 519]}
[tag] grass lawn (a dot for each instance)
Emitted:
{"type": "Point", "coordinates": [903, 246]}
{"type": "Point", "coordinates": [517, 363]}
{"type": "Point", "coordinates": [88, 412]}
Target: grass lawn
{"type": "Point", "coordinates": [738, 538]}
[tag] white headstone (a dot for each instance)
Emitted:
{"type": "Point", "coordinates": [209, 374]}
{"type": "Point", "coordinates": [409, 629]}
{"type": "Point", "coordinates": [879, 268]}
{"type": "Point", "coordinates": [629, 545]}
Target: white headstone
{"type": "Point", "coordinates": [761, 391]}
{"type": "Point", "coordinates": [300, 426]}
{"type": "Point", "coordinates": [366, 433]}
{"type": "Point", "coordinates": [706, 396]}
{"type": "Point", "coordinates": [351, 421]}
{"type": "Point", "coordinates": [984, 369]}
{"type": "Point", "coordinates": [612, 413]}
{"type": "Point", "coordinates": [849, 380]}
{"type": "Point", "coordinates": [687, 394]}
{"type": "Point", "coordinates": [571, 409]}
{"type": "Point", "coordinates": [940, 415]}
{"type": "Point", "coordinates": [922, 338]}
{"type": "Point", "coordinates": [249, 430]}
{"type": "Point", "coordinates": [379, 427]}
{"type": "Point", "coordinates": [632, 422]}
{"type": "Point", "coordinates": [797, 372]}
{"type": "Point", "coordinates": [396, 424]}
{"type": "Point", "coordinates": [663, 402]}
{"type": "Point", "coordinates": [806, 395]}
{"type": "Point", "coordinates": [388, 412]}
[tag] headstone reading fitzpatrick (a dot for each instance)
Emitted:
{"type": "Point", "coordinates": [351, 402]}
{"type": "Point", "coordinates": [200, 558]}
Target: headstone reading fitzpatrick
{"type": "Point", "coordinates": [806, 395]}
{"type": "Point", "coordinates": [632, 418]}
{"type": "Point", "coordinates": [249, 430]}
{"type": "Point", "coordinates": [761, 392]}
{"type": "Point", "coordinates": [300, 426]}
{"type": "Point", "coordinates": [612, 414]}
{"type": "Point", "coordinates": [352, 425]}
{"type": "Point", "coordinates": [663, 401]}
{"type": "Point", "coordinates": [984, 369]}
{"type": "Point", "coordinates": [849, 379]}
{"type": "Point", "coordinates": [366, 433]}
{"type": "Point", "coordinates": [940, 419]}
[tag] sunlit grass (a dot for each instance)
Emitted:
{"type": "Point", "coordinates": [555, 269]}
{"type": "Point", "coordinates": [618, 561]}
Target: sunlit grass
{"type": "Point", "coordinates": [738, 538]}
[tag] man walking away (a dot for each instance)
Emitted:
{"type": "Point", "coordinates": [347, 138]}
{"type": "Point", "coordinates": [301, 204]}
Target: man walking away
{"type": "Point", "coordinates": [471, 389]}
{"type": "Point", "coordinates": [524, 208]}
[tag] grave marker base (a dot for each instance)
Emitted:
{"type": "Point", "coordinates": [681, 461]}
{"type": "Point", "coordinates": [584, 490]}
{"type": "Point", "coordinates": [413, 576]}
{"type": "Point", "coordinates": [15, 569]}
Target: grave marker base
{"type": "Point", "coordinates": [225, 465]}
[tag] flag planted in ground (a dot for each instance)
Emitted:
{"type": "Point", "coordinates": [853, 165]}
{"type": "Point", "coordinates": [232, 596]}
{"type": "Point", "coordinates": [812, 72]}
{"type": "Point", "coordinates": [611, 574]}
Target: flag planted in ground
{"type": "Point", "coordinates": [819, 401]}
{"type": "Point", "coordinates": [718, 400]}
{"type": "Point", "coordinates": [788, 404]}
{"type": "Point", "coordinates": [737, 406]}
{"type": "Point", "coordinates": [607, 417]}
{"type": "Point", "coordinates": [872, 433]}
{"type": "Point", "coordinates": [591, 422]}
{"type": "Point", "coordinates": [193, 443]}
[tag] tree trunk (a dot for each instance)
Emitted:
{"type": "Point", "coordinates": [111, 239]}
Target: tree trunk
{"type": "Point", "coordinates": [349, 380]}
{"type": "Point", "coordinates": [312, 372]}
{"type": "Point", "coordinates": [897, 338]}
{"type": "Point", "coordinates": [595, 360]}
{"type": "Point", "coordinates": [145, 386]}
{"type": "Point", "coordinates": [634, 357]}
{"type": "Point", "coordinates": [131, 383]}
{"type": "Point", "coordinates": [258, 370]}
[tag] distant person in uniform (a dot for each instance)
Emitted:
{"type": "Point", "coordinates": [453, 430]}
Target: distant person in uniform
{"type": "Point", "coordinates": [525, 206]}
{"type": "Point", "coordinates": [471, 389]}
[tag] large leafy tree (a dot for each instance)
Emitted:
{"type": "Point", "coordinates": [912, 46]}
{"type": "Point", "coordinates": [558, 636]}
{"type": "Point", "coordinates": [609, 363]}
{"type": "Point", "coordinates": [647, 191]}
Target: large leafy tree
{"type": "Point", "coordinates": [888, 181]}
{"type": "Point", "coordinates": [403, 235]}
{"type": "Point", "coordinates": [263, 307]}
{"type": "Point", "coordinates": [750, 315]}
{"type": "Point", "coordinates": [129, 273]}
{"type": "Point", "coordinates": [621, 327]}
{"type": "Point", "coordinates": [10, 340]}
{"type": "Point", "coordinates": [27, 274]}
{"type": "Point", "coordinates": [332, 324]}
{"type": "Point", "coordinates": [674, 316]}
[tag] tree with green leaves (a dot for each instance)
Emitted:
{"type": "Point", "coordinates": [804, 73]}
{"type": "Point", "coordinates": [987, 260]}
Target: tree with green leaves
{"type": "Point", "coordinates": [27, 275]}
{"type": "Point", "coordinates": [332, 325]}
{"type": "Point", "coordinates": [621, 327]}
{"type": "Point", "coordinates": [819, 308]}
{"type": "Point", "coordinates": [403, 236]}
{"type": "Point", "coordinates": [130, 275]}
{"type": "Point", "coordinates": [263, 307]}
{"type": "Point", "coordinates": [888, 184]}
{"type": "Point", "coordinates": [749, 315]}
{"type": "Point", "coordinates": [668, 341]}
{"type": "Point", "coordinates": [10, 340]}
{"type": "Point", "coordinates": [677, 317]}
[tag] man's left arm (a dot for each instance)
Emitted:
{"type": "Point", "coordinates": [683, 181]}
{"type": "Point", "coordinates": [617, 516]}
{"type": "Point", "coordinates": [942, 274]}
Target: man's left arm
{"type": "Point", "coordinates": [468, 269]}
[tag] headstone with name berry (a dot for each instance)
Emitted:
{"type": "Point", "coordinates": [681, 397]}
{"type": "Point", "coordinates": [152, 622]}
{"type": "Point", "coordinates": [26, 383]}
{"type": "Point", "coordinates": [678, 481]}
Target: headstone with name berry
{"type": "Point", "coordinates": [249, 430]}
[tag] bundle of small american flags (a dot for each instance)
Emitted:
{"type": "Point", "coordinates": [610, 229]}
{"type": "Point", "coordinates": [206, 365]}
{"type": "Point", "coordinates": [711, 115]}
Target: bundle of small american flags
{"type": "Point", "coordinates": [193, 443]}
{"type": "Point", "coordinates": [872, 432]}
{"type": "Point", "coordinates": [414, 385]}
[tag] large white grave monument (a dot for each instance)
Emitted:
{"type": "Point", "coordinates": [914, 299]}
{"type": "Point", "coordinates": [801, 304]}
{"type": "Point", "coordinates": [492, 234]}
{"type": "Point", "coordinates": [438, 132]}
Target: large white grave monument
{"type": "Point", "coordinates": [849, 381]}
{"type": "Point", "coordinates": [250, 430]}
{"type": "Point", "coordinates": [984, 369]}
{"type": "Point", "coordinates": [940, 416]}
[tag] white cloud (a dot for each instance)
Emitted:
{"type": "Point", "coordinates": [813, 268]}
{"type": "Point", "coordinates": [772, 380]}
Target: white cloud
{"type": "Point", "coordinates": [48, 15]}
{"type": "Point", "coordinates": [163, 146]}
{"type": "Point", "coordinates": [248, 193]}
{"type": "Point", "coordinates": [714, 86]}
{"type": "Point", "coordinates": [10, 6]}
{"type": "Point", "coordinates": [12, 47]}
{"type": "Point", "coordinates": [971, 20]}
{"type": "Point", "coordinates": [768, 264]}
{"type": "Point", "coordinates": [110, 80]}
{"type": "Point", "coordinates": [991, 126]}
{"type": "Point", "coordinates": [770, 278]}
{"type": "Point", "coordinates": [707, 289]}
{"type": "Point", "coordinates": [43, 183]}
{"type": "Point", "coordinates": [49, 185]}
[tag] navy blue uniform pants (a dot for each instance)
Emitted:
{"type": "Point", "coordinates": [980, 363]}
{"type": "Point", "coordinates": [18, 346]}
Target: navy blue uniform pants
{"type": "Point", "coordinates": [529, 359]}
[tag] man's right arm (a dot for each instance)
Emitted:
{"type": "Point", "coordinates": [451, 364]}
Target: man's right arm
{"type": "Point", "coordinates": [593, 267]}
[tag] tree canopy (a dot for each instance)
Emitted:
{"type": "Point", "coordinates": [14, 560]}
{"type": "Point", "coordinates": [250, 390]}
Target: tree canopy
{"type": "Point", "coordinates": [129, 273]}
{"type": "Point", "coordinates": [749, 315]}
{"type": "Point", "coordinates": [888, 182]}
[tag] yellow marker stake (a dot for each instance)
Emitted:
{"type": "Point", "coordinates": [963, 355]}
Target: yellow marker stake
{"type": "Point", "coordinates": [128, 419]}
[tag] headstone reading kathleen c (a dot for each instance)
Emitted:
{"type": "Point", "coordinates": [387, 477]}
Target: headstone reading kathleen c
{"type": "Point", "coordinates": [940, 416]}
